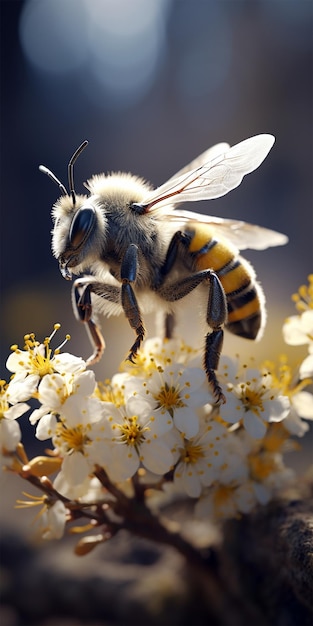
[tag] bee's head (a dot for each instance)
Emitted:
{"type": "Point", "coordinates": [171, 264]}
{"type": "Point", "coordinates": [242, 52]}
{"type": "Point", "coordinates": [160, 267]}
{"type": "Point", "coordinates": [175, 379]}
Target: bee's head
{"type": "Point", "coordinates": [77, 224]}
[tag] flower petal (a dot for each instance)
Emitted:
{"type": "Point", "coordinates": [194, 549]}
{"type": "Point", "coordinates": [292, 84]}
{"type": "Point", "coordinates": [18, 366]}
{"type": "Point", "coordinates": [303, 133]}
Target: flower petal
{"type": "Point", "coordinates": [303, 404]}
{"type": "Point", "coordinates": [16, 411]}
{"type": "Point", "coordinates": [10, 434]}
{"type": "Point", "coordinates": [306, 367]}
{"type": "Point", "coordinates": [46, 427]}
{"type": "Point", "coordinates": [254, 425]}
{"type": "Point", "coordinates": [186, 421]}
{"type": "Point", "coordinates": [156, 457]}
{"type": "Point", "coordinates": [75, 467]}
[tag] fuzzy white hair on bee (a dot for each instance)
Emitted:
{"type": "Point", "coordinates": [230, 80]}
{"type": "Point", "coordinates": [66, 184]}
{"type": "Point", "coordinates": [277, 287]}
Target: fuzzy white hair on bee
{"type": "Point", "coordinates": [133, 251]}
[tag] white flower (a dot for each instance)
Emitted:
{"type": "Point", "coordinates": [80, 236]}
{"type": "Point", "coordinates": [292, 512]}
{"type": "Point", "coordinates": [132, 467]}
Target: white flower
{"type": "Point", "coordinates": [136, 438]}
{"type": "Point", "coordinates": [77, 491]}
{"type": "Point", "coordinates": [200, 458]}
{"type": "Point", "coordinates": [10, 435]}
{"type": "Point", "coordinates": [51, 519]}
{"type": "Point", "coordinates": [226, 501]}
{"type": "Point", "coordinates": [10, 432]}
{"type": "Point", "coordinates": [252, 399]}
{"type": "Point", "coordinates": [301, 402]}
{"type": "Point", "coordinates": [306, 367]}
{"type": "Point", "coordinates": [175, 392]}
{"type": "Point", "coordinates": [74, 440]}
{"type": "Point", "coordinates": [298, 329]}
{"type": "Point", "coordinates": [73, 420]}
{"type": "Point", "coordinates": [301, 406]}
{"type": "Point", "coordinates": [234, 470]}
{"type": "Point", "coordinates": [35, 362]}
{"type": "Point", "coordinates": [63, 394]}
{"type": "Point", "coordinates": [268, 474]}
{"type": "Point", "coordinates": [157, 352]}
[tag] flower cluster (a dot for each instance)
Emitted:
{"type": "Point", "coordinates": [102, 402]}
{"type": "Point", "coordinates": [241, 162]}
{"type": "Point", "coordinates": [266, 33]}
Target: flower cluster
{"type": "Point", "coordinates": [298, 329]}
{"type": "Point", "coordinates": [154, 428]}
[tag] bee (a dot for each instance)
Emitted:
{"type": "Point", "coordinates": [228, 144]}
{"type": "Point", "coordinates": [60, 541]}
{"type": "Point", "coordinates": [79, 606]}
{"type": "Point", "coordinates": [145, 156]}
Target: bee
{"type": "Point", "coordinates": [133, 252]}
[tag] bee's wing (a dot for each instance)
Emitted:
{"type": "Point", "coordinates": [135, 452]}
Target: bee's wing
{"type": "Point", "coordinates": [242, 234]}
{"type": "Point", "coordinates": [205, 157]}
{"type": "Point", "coordinates": [214, 178]}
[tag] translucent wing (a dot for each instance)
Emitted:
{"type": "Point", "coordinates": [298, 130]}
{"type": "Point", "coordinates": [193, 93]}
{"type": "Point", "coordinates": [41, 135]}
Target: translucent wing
{"type": "Point", "coordinates": [242, 234]}
{"type": "Point", "coordinates": [213, 178]}
{"type": "Point", "coordinates": [205, 157]}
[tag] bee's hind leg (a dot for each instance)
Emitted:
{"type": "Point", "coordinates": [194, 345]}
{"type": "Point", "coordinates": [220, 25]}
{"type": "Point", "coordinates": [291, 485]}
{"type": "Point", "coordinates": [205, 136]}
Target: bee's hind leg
{"type": "Point", "coordinates": [216, 317]}
{"type": "Point", "coordinates": [212, 352]}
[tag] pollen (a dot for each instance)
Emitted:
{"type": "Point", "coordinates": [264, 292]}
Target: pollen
{"type": "Point", "coordinates": [41, 364]}
{"type": "Point", "coordinates": [4, 405]}
{"type": "Point", "coordinates": [169, 398]}
{"type": "Point", "coordinates": [284, 379]}
{"type": "Point", "coordinates": [73, 438]}
{"type": "Point", "coordinates": [304, 297]}
{"type": "Point", "coordinates": [131, 432]}
{"type": "Point", "coordinates": [40, 355]}
{"type": "Point", "coordinates": [192, 454]}
{"type": "Point", "coordinates": [108, 393]}
{"type": "Point", "coordinates": [252, 399]}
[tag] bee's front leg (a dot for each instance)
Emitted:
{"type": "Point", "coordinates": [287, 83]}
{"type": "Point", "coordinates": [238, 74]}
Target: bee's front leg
{"type": "Point", "coordinates": [81, 300]}
{"type": "Point", "coordinates": [129, 270]}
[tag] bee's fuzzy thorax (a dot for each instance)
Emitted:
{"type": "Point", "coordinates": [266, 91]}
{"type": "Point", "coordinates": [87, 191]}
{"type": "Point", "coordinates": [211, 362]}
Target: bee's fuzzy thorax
{"type": "Point", "coordinates": [118, 186]}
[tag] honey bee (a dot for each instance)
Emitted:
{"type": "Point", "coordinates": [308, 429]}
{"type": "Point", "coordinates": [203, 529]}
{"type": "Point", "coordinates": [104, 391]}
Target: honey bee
{"type": "Point", "coordinates": [133, 253]}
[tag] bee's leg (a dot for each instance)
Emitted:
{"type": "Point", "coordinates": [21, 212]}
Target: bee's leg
{"type": "Point", "coordinates": [169, 325]}
{"type": "Point", "coordinates": [129, 269]}
{"type": "Point", "coordinates": [179, 240]}
{"type": "Point", "coordinates": [216, 317]}
{"type": "Point", "coordinates": [81, 300]}
{"type": "Point", "coordinates": [165, 324]}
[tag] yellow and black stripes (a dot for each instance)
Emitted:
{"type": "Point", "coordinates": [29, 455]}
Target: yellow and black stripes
{"type": "Point", "coordinates": [245, 300]}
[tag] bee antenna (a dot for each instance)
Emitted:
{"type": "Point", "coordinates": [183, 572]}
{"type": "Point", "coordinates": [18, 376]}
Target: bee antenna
{"type": "Point", "coordinates": [53, 177]}
{"type": "Point", "coordinates": [71, 169]}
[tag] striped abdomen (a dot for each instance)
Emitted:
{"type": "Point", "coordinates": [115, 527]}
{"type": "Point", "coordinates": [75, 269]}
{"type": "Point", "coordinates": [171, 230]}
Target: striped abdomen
{"type": "Point", "coordinates": [245, 299]}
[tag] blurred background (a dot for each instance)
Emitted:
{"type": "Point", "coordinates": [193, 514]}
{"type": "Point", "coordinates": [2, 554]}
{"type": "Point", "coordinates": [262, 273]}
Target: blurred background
{"type": "Point", "coordinates": [150, 84]}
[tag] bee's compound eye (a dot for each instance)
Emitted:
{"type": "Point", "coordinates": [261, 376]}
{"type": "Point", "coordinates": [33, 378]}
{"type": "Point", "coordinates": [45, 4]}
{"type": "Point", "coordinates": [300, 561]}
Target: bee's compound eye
{"type": "Point", "coordinates": [81, 226]}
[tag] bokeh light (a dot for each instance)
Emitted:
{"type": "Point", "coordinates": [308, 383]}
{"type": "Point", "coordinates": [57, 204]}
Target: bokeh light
{"type": "Point", "coordinates": [120, 44]}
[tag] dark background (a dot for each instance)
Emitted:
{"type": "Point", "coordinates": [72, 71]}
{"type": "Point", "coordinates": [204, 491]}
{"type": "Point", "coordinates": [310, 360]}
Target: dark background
{"type": "Point", "coordinates": [225, 70]}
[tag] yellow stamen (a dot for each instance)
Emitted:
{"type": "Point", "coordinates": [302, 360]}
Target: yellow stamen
{"type": "Point", "coordinates": [169, 398]}
{"type": "Point", "coordinates": [74, 438]}
{"type": "Point", "coordinates": [192, 453]}
{"type": "Point", "coordinates": [304, 297]}
{"type": "Point", "coordinates": [132, 433]}
{"type": "Point", "coordinates": [107, 393]}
